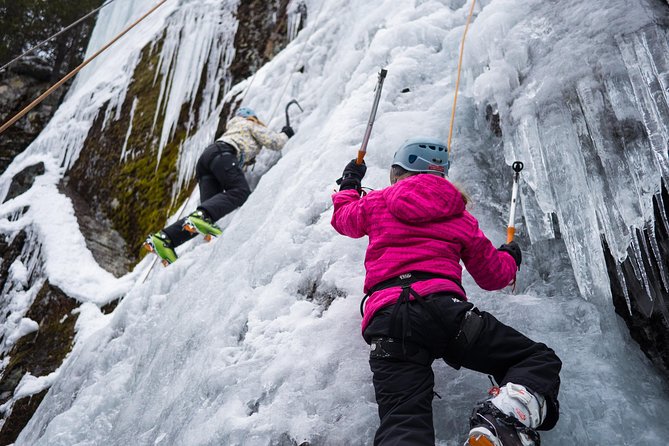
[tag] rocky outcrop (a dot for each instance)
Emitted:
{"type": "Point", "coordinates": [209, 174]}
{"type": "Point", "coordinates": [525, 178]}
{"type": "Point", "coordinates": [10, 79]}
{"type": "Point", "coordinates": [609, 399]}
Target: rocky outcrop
{"type": "Point", "coordinates": [16, 91]}
{"type": "Point", "coordinates": [39, 354]}
{"type": "Point", "coordinates": [117, 199]}
{"type": "Point", "coordinates": [10, 250]}
{"type": "Point", "coordinates": [25, 24]}
{"type": "Point", "coordinates": [259, 37]}
{"type": "Point", "coordinates": [135, 192]}
{"type": "Point", "coordinates": [24, 180]}
{"type": "Point", "coordinates": [642, 299]}
{"type": "Point", "coordinates": [109, 249]}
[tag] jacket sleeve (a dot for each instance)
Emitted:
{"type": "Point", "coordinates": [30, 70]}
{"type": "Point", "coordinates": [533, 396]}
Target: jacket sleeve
{"type": "Point", "coordinates": [268, 138]}
{"type": "Point", "coordinates": [490, 268]}
{"type": "Point", "coordinates": [349, 214]}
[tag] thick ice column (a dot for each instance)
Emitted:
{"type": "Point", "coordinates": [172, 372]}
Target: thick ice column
{"type": "Point", "coordinates": [198, 41]}
{"type": "Point", "coordinates": [573, 198]}
{"type": "Point", "coordinates": [648, 90]}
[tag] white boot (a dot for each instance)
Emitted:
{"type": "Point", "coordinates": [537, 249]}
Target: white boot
{"type": "Point", "coordinates": [508, 419]}
{"type": "Point", "coordinates": [515, 400]}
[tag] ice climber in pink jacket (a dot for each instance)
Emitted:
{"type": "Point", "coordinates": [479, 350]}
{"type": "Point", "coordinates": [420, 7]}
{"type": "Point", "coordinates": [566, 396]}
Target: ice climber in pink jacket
{"type": "Point", "coordinates": [416, 310]}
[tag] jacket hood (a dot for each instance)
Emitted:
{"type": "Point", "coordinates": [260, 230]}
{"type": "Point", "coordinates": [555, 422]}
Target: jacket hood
{"type": "Point", "coordinates": [423, 198]}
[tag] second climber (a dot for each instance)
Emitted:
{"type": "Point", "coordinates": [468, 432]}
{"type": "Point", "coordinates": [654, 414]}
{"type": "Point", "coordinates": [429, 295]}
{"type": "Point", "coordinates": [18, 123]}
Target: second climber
{"type": "Point", "coordinates": [223, 186]}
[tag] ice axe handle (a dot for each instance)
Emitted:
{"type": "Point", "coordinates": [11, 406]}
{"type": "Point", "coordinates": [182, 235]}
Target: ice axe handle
{"type": "Point", "coordinates": [510, 234]}
{"type": "Point", "coordinates": [372, 117]}
{"type": "Point", "coordinates": [517, 166]}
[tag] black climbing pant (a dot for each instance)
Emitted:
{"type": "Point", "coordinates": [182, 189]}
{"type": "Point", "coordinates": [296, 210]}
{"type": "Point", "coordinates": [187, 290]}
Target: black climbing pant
{"type": "Point", "coordinates": [223, 187]}
{"type": "Point", "coordinates": [404, 347]}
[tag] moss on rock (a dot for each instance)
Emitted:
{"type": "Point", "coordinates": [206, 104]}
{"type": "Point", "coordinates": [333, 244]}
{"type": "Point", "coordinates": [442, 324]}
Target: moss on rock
{"type": "Point", "coordinates": [134, 193]}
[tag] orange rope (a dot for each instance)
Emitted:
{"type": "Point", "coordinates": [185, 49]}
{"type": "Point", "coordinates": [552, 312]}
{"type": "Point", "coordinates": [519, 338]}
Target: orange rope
{"type": "Point", "coordinates": [72, 73]}
{"type": "Point", "coordinates": [457, 82]}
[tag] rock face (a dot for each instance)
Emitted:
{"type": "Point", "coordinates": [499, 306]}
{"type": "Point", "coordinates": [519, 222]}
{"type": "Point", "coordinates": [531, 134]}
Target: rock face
{"type": "Point", "coordinates": [16, 91]}
{"type": "Point", "coordinates": [24, 180]}
{"type": "Point", "coordinates": [135, 194]}
{"type": "Point", "coordinates": [105, 243]}
{"type": "Point", "coordinates": [118, 195]}
{"type": "Point", "coordinates": [24, 24]}
{"type": "Point", "coordinates": [643, 300]}
{"type": "Point", "coordinates": [39, 353]}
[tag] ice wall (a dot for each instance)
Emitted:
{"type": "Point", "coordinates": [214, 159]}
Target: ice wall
{"type": "Point", "coordinates": [254, 339]}
{"type": "Point", "coordinates": [590, 126]}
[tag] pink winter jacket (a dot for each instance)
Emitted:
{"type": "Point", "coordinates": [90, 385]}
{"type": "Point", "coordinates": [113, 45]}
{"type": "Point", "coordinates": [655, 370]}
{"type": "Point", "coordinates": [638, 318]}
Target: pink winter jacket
{"type": "Point", "coordinates": [419, 224]}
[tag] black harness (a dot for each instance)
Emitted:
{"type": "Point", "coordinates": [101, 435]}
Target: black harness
{"type": "Point", "coordinates": [405, 281]}
{"type": "Point", "coordinates": [388, 347]}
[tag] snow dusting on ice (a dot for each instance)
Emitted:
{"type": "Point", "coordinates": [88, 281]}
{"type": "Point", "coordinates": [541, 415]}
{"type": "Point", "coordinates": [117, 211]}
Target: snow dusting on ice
{"type": "Point", "coordinates": [254, 339]}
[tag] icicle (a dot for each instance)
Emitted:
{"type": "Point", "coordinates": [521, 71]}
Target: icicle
{"type": "Point", "coordinates": [657, 256]}
{"type": "Point", "coordinates": [623, 285]}
{"type": "Point", "coordinates": [297, 10]}
{"type": "Point", "coordinates": [197, 43]}
{"type": "Point", "coordinates": [663, 211]}
{"type": "Point", "coordinates": [646, 300]}
{"type": "Point", "coordinates": [124, 152]}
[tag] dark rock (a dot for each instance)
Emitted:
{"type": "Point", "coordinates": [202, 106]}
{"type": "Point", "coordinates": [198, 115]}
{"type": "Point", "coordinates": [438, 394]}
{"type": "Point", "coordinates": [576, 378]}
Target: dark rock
{"type": "Point", "coordinates": [9, 252]}
{"type": "Point", "coordinates": [25, 24]}
{"type": "Point", "coordinates": [258, 39]}
{"type": "Point", "coordinates": [22, 412]}
{"type": "Point", "coordinates": [17, 91]}
{"type": "Point", "coordinates": [136, 194]}
{"type": "Point", "coordinates": [106, 244]}
{"type": "Point", "coordinates": [648, 320]}
{"type": "Point", "coordinates": [38, 353]}
{"type": "Point", "coordinates": [110, 307]}
{"type": "Point", "coordinates": [33, 68]}
{"type": "Point", "coordinates": [494, 121]}
{"type": "Point", "coordinates": [24, 180]}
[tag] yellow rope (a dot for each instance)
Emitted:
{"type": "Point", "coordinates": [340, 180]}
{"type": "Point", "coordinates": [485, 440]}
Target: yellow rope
{"type": "Point", "coordinates": [72, 73]}
{"type": "Point", "coordinates": [457, 82]}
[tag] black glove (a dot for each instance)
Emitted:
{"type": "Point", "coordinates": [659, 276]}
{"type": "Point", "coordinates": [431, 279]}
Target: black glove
{"type": "Point", "coordinates": [288, 130]}
{"type": "Point", "coordinates": [352, 176]}
{"type": "Point", "coordinates": [513, 249]}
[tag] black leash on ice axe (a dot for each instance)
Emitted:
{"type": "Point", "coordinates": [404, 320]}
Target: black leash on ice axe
{"type": "Point", "coordinates": [372, 117]}
{"type": "Point", "coordinates": [294, 101]}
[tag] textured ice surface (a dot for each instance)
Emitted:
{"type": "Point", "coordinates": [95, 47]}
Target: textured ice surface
{"type": "Point", "coordinates": [254, 339]}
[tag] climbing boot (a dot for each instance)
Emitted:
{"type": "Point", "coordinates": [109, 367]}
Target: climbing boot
{"type": "Point", "coordinates": [508, 419]}
{"type": "Point", "coordinates": [199, 222]}
{"type": "Point", "coordinates": [160, 244]}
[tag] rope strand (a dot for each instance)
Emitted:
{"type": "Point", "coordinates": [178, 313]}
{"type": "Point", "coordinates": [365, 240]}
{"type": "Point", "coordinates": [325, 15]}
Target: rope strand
{"type": "Point", "coordinates": [67, 28]}
{"type": "Point", "coordinates": [457, 82]}
{"type": "Point", "coordinates": [72, 73]}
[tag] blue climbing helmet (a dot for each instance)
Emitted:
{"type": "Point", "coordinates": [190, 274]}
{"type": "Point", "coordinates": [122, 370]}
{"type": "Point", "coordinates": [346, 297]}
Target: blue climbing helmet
{"type": "Point", "coordinates": [423, 154]}
{"type": "Point", "coordinates": [246, 112]}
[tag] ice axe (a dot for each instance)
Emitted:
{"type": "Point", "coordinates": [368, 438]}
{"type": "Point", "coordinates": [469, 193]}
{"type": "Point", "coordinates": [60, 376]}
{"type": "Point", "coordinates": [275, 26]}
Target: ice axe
{"type": "Point", "coordinates": [294, 101]}
{"type": "Point", "coordinates": [372, 117]}
{"type": "Point", "coordinates": [511, 229]}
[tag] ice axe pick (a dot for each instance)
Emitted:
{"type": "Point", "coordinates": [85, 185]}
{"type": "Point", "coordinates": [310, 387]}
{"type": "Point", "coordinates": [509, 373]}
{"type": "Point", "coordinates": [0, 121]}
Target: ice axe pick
{"type": "Point", "coordinates": [294, 101]}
